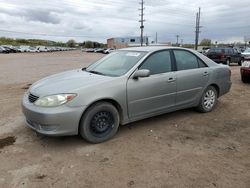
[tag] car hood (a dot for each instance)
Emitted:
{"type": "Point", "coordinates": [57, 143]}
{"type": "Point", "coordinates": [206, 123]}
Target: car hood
{"type": "Point", "coordinates": [67, 82]}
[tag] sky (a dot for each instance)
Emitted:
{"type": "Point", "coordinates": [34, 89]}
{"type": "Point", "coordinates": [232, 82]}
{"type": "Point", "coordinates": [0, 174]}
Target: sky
{"type": "Point", "coordinates": [98, 20]}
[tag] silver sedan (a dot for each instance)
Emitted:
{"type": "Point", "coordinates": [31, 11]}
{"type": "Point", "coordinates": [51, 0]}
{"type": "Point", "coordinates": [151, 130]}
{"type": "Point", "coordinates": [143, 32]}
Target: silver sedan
{"type": "Point", "coordinates": [125, 86]}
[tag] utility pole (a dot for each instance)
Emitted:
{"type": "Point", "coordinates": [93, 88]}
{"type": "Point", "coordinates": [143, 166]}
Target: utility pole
{"type": "Point", "coordinates": [156, 38]}
{"type": "Point", "coordinates": [177, 39]}
{"type": "Point", "coordinates": [142, 19]}
{"type": "Point", "coordinates": [197, 28]}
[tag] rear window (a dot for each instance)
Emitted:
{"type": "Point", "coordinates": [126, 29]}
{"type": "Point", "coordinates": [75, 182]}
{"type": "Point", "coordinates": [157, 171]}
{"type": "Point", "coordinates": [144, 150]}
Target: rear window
{"type": "Point", "coordinates": [216, 50]}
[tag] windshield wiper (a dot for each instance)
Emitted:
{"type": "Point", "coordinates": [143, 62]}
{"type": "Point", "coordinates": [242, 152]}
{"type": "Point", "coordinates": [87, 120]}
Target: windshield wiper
{"type": "Point", "coordinates": [95, 72]}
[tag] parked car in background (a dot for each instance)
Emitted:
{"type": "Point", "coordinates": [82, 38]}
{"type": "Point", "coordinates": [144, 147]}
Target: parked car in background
{"type": "Point", "coordinates": [33, 50]}
{"type": "Point", "coordinates": [42, 48]}
{"type": "Point", "coordinates": [109, 50]}
{"type": "Point", "coordinates": [246, 54]}
{"type": "Point", "coordinates": [4, 50]}
{"type": "Point", "coordinates": [124, 86]}
{"type": "Point", "coordinates": [98, 50]}
{"type": "Point", "coordinates": [90, 50]}
{"type": "Point", "coordinates": [225, 55]}
{"type": "Point", "coordinates": [245, 70]}
{"type": "Point", "coordinates": [24, 48]}
{"type": "Point", "coordinates": [10, 48]}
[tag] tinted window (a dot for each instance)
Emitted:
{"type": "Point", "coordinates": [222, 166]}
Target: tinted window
{"type": "Point", "coordinates": [216, 50]}
{"type": "Point", "coordinates": [230, 51]}
{"type": "Point", "coordinates": [157, 63]}
{"type": "Point", "coordinates": [235, 51]}
{"type": "Point", "coordinates": [185, 60]}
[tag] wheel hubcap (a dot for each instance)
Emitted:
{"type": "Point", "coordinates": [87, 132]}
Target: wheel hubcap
{"type": "Point", "coordinates": [102, 123]}
{"type": "Point", "coordinates": [209, 99]}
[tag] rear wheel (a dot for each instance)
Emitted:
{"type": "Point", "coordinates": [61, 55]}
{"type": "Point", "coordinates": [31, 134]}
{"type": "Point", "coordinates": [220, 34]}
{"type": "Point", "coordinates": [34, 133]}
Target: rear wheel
{"type": "Point", "coordinates": [228, 62]}
{"type": "Point", "coordinates": [208, 100]}
{"type": "Point", "coordinates": [99, 123]}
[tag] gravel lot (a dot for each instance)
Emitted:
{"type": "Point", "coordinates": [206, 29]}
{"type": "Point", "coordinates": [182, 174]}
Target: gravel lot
{"type": "Point", "coordinates": [180, 149]}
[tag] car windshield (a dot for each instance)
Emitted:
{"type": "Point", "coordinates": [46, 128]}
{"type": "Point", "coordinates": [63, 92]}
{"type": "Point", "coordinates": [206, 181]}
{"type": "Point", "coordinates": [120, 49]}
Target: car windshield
{"type": "Point", "coordinates": [116, 64]}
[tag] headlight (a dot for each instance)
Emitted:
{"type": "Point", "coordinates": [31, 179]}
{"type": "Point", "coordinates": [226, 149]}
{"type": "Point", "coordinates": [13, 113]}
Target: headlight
{"type": "Point", "coordinates": [54, 100]}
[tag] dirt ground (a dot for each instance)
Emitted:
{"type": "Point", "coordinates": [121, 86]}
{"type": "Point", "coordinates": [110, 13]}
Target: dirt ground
{"type": "Point", "coordinates": [180, 149]}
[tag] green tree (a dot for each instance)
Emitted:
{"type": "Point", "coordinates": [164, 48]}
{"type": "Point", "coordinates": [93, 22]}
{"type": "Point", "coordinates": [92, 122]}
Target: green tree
{"type": "Point", "coordinates": [71, 43]}
{"type": "Point", "coordinates": [89, 44]}
{"type": "Point", "coordinates": [206, 42]}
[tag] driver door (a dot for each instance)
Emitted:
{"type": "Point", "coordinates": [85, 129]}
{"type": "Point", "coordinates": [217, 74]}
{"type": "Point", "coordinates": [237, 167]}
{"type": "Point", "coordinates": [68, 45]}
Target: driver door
{"type": "Point", "coordinates": [156, 93]}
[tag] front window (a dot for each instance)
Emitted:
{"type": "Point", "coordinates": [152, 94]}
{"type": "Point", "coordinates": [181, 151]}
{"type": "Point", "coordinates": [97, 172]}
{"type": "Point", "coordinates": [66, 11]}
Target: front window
{"type": "Point", "coordinates": [159, 62]}
{"type": "Point", "coordinates": [116, 64]}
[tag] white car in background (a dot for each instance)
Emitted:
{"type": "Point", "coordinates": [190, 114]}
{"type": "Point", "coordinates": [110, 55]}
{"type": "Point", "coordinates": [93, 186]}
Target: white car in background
{"type": "Point", "coordinates": [42, 48]}
{"type": "Point", "coordinates": [33, 50]}
{"type": "Point", "coordinates": [246, 54]}
{"type": "Point", "coordinates": [109, 50]}
{"type": "Point", "coordinates": [24, 48]}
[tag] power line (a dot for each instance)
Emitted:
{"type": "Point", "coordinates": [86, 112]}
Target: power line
{"type": "Point", "coordinates": [142, 19]}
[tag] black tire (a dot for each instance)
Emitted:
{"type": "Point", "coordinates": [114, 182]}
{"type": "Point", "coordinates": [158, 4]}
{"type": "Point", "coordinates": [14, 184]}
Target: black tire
{"type": "Point", "coordinates": [99, 123]}
{"type": "Point", "coordinates": [207, 105]}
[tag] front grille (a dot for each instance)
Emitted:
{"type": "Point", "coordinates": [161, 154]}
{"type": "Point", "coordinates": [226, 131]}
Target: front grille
{"type": "Point", "coordinates": [32, 98]}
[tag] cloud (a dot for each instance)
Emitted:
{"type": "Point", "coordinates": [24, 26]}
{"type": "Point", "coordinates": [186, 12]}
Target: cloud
{"type": "Point", "coordinates": [221, 20]}
{"type": "Point", "coordinates": [44, 16]}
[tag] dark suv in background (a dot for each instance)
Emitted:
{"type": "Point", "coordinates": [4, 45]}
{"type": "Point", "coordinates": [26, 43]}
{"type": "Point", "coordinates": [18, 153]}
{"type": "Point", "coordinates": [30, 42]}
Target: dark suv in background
{"type": "Point", "coordinates": [225, 55]}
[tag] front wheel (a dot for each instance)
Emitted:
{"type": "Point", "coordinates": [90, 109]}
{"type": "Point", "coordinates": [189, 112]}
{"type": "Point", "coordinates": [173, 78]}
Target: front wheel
{"type": "Point", "coordinates": [208, 100]}
{"type": "Point", "coordinates": [99, 123]}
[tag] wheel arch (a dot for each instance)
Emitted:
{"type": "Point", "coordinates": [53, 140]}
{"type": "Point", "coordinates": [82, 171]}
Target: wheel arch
{"type": "Point", "coordinates": [217, 88]}
{"type": "Point", "coordinates": [108, 100]}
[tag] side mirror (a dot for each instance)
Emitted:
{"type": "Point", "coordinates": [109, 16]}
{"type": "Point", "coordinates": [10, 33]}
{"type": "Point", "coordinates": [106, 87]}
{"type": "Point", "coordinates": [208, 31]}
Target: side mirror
{"type": "Point", "coordinates": [141, 73]}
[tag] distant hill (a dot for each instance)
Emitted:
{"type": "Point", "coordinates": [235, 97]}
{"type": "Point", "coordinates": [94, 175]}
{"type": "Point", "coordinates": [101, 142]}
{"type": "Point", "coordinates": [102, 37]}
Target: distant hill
{"type": "Point", "coordinates": [30, 42]}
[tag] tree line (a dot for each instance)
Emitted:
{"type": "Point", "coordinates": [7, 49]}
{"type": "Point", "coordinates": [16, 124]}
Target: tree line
{"type": "Point", "coordinates": [38, 42]}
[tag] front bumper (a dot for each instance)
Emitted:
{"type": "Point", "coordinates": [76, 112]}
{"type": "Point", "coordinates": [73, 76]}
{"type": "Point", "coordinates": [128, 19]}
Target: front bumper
{"type": "Point", "coordinates": [54, 121]}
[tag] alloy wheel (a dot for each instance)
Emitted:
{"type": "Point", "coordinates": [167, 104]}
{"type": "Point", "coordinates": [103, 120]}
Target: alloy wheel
{"type": "Point", "coordinates": [209, 99]}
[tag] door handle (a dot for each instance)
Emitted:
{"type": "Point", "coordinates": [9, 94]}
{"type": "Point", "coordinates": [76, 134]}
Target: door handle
{"type": "Point", "coordinates": [205, 74]}
{"type": "Point", "coordinates": [171, 80]}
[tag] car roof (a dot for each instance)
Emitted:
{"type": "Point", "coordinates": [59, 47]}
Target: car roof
{"type": "Point", "coordinates": [150, 48]}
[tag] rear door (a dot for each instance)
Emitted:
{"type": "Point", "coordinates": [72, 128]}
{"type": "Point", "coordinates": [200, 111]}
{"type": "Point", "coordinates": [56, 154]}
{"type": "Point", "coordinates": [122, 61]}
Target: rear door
{"type": "Point", "coordinates": [236, 55]}
{"type": "Point", "coordinates": [191, 77]}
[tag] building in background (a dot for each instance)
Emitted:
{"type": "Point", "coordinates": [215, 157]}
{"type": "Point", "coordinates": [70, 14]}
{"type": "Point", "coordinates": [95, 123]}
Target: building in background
{"type": "Point", "coordinates": [124, 42]}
